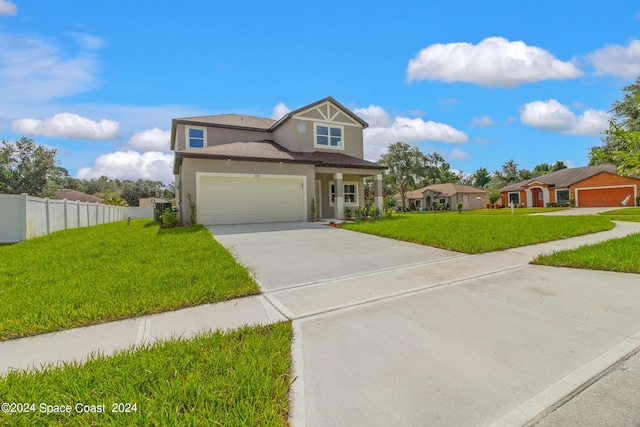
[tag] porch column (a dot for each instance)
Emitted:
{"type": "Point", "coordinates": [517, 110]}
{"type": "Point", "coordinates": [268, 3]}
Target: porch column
{"type": "Point", "coordinates": [339, 203]}
{"type": "Point", "coordinates": [378, 198]}
{"type": "Point", "coordinates": [545, 197]}
{"type": "Point", "coordinates": [529, 198]}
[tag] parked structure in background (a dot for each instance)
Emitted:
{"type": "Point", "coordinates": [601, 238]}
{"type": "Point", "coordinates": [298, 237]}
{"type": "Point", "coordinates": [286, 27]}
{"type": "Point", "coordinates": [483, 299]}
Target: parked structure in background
{"type": "Point", "coordinates": [444, 197]}
{"type": "Point", "coordinates": [590, 186]}
{"type": "Point", "coordinates": [76, 196]}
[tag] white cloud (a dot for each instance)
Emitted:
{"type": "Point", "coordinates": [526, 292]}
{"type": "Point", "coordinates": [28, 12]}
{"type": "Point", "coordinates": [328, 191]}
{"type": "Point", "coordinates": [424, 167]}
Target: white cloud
{"type": "Point", "coordinates": [377, 138]}
{"type": "Point", "coordinates": [8, 8]}
{"type": "Point", "coordinates": [279, 111]}
{"type": "Point", "coordinates": [621, 61]}
{"type": "Point", "coordinates": [33, 70]}
{"type": "Point", "coordinates": [458, 154]}
{"type": "Point", "coordinates": [87, 41]}
{"type": "Point", "coordinates": [152, 165]}
{"type": "Point", "coordinates": [495, 61]}
{"type": "Point", "coordinates": [150, 140]}
{"type": "Point", "coordinates": [68, 125]}
{"type": "Point", "coordinates": [553, 116]}
{"type": "Point", "coordinates": [482, 122]}
{"type": "Point", "coordinates": [374, 115]}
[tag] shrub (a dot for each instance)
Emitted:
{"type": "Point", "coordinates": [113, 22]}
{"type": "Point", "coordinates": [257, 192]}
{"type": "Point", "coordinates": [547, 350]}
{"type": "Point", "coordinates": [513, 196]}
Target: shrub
{"type": "Point", "coordinates": [460, 206]}
{"type": "Point", "coordinates": [313, 209]}
{"type": "Point", "coordinates": [572, 203]}
{"type": "Point", "coordinates": [487, 205]}
{"type": "Point", "coordinates": [498, 205]}
{"type": "Point", "coordinates": [194, 210]}
{"type": "Point", "coordinates": [348, 213]}
{"type": "Point", "coordinates": [169, 218]}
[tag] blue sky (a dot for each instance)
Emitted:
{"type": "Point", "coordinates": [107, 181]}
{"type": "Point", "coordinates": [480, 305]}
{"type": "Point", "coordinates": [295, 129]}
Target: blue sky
{"type": "Point", "coordinates": [480, 82]}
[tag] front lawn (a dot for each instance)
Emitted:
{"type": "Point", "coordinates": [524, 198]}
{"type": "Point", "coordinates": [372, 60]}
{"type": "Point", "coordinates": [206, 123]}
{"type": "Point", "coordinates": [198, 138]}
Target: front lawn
{"type": "Point", "coordinates": [234, 379]}
{"type": "Point", "coordinates": [112, 271]}
{"type": "Point", "coordinates": [472, 233]}
{"type": "Point", "coordinates": [627, 214]}
{"type": "Point", "coordinates": [620, 254]}
{"type": "Point", "coordinates": [507, 211]}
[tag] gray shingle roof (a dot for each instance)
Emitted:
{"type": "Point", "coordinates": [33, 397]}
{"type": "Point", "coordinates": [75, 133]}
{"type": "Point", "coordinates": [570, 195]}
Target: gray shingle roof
{"type": "Point", "coordinates": [564, 177]}
{"type": "Point", "coordinates": [231, 120]}
{"type": "Point", "coordinates": [270, 151]}
{"type": "Point", "coordinates": [76, 196]}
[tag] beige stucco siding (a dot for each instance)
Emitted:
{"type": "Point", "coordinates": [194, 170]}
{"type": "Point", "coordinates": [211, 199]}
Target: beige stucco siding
{"type": "Point", "coordinates": [218, 135]}
{"type": "Point", "coordinates": [298, 135]}
{"type": "Point", "coordinates": [191, 166]}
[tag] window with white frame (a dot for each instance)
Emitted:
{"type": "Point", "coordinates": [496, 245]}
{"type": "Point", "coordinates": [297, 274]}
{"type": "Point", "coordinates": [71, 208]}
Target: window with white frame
{"type": "Point", "coordinates": [350, 193]}
{"type": "Point", "coordinates": [562, 197]}
{"type": "Point", "coordinates": [328, 136]}
{"type": "Point", "coordinates": [196, 137]}
{"type": "Point", "coordinates": [514, 198]}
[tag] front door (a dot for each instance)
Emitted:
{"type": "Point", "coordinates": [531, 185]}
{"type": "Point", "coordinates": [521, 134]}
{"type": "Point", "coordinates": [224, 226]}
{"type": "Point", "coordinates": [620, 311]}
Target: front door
{"type": "Point", "coordinates": [536, 195]}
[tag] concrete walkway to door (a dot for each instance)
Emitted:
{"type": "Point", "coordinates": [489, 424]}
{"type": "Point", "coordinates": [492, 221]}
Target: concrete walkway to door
{"type": "Point", "coordinates": [452, 340]}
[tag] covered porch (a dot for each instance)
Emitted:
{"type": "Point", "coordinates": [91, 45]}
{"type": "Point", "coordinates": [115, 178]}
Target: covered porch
{"type": "Point", "coordinates": [336, 189]}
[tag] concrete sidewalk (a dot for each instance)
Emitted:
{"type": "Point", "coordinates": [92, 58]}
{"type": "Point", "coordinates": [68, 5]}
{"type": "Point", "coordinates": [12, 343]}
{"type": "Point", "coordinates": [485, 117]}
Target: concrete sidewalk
{"type": "Point", "coordinates": [107, 338]}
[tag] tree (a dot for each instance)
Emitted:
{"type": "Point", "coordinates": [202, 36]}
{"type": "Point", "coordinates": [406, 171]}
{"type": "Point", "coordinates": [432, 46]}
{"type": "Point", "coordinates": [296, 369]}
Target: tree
{"type": "Point", "coordinates": [622, 140]}
{"type": "Point", "coordinates": [407, 166]}
{"type": "Point", "coordinates": [481, 178]}
{"type": "Point", "coordinates": [545, 168]}
{"type": "Point", "coordinates": [26, 167]}
{"type": "Point", "coordinates": [509, 174]}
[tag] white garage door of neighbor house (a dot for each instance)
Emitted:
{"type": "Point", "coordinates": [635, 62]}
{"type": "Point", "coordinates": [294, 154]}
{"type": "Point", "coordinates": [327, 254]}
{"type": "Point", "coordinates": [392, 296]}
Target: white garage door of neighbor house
{"type": "Point", "coordinates": [245, 199]}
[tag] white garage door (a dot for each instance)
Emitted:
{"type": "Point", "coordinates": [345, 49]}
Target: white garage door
{"type": "Point", "coordinates": [244, 199]}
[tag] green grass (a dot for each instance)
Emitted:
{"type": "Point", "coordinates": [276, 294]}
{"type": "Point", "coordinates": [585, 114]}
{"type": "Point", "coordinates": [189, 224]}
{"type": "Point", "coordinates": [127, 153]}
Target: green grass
{"type": "Point", "coordinates": [628, 214]}
{"type": "Point", "coordinates": [507, 211]}
{"type": "Point", "coordinates": [625, 211]}
{"type": "Point", "coordinates": [236, 379]}
{"type": "Point", "coordinates": [112, 271]}
{"type": "Point", "coordinates": [620, 255]}
{"type": "Point", "coordinates": [474, 233]}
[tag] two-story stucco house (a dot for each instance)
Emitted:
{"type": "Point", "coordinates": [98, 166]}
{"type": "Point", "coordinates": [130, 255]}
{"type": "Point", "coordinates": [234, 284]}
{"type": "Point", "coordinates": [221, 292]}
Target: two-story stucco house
{"type": "Point", "coordinates": [242, 169]}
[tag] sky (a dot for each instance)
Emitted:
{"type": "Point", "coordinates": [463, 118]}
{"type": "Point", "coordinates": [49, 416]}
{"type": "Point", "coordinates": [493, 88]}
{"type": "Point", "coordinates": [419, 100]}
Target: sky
{"type": "Point", "coordinates": [479, 82]}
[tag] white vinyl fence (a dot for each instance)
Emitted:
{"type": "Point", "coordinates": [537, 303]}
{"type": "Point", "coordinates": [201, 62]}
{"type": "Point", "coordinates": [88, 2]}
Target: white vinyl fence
{"type": "Point", "coordinates": [23, 217]}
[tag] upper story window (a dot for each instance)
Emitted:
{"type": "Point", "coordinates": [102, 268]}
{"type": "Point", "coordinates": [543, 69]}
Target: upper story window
{"type": "Point", "coordinates": [329, 136]}
{"type": "Point", "coordinates": [196, 137]}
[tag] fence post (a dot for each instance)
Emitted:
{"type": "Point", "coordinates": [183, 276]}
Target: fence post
{"type": "Point", "coordinates": [78, 209]}
{"type": "Point", "coordinates": [24, 200]}
{"type": "Point", "coordinates": [66, 215]}
{"type": "Point", "coordinates": [88, 214]}
{"type": "Point", "coordinates": [48, 207]}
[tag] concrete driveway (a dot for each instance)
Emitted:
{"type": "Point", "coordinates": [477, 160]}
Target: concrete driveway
{"type": "Point", "coordinates": [432, 337]}
{"type": "Point", "coordinates": [283, 255]}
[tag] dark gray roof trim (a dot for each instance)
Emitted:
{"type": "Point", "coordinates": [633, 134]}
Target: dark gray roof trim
{"type": "Point", "coordinates": [270, 151]}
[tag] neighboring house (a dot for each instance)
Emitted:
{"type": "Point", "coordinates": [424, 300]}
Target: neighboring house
{"type": "Point", "coordinates": [447, 195]}
{"type": "Point", "coordinates": [150, 201]}
{"type": "Point", "coordinates": [244, 169]}
{"type": "Point", "coordinates": [76, 196]}
{"type": "Point", "coordinates": [590, 186]}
